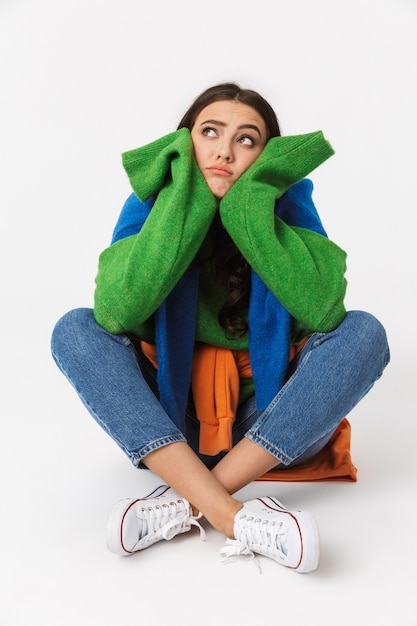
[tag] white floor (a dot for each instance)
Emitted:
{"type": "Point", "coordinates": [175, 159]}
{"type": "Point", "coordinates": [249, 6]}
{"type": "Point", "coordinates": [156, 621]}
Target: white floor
{"type": "Point", "coordinates": [61, 474]}
{"type": "Point", "coordinates": [83, 81]}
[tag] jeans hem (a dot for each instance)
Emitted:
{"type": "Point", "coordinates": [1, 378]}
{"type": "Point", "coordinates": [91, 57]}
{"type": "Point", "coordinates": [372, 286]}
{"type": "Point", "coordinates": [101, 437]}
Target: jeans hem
{"type": "Point", "coordinates": [137, 457]}
{"type": "Point", "coordinates": [266, 445]}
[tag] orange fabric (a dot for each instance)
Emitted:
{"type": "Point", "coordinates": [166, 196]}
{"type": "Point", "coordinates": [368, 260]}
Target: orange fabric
{"type": "Point", "coordinates": [216, 375]}
{"type": "Point", "coordinates": [215, 379]}
{"type": "Point", "coordinates": [333, 462]}
{"type": "Point", "coordinates": [149, 350]}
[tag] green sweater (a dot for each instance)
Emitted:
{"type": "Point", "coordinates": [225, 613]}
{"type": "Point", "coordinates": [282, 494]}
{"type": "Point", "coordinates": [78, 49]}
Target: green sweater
{"type": "Point", "coordinates": [303, 269]}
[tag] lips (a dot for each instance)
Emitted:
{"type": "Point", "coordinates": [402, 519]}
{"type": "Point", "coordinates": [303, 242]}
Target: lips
{"type": "Point", "coordinates": [221, 170]}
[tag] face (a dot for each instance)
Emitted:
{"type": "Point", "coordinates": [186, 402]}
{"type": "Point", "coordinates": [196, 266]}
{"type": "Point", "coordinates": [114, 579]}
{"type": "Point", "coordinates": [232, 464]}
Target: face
{"type": "Point", "coordinates": [228, 137]}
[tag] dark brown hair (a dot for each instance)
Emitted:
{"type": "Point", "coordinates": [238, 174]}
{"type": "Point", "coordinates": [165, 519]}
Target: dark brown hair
{"type": "Point", "coordinates": [232, 267]}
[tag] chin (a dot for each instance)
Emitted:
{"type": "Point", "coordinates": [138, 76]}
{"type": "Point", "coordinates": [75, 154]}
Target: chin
{"type": "Point", "coordinates": [219, 193]}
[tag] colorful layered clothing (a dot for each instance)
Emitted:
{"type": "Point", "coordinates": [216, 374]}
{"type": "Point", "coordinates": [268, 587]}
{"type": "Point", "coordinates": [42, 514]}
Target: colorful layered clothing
{"type": "Point", "coordinates": [148, 284]}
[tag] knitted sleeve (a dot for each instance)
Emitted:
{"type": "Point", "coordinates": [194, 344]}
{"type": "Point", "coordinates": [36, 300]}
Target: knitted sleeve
{"type": "Point", "coordinates": [137, 272]}
{"type": "Point", "coordinates": [297, 262]}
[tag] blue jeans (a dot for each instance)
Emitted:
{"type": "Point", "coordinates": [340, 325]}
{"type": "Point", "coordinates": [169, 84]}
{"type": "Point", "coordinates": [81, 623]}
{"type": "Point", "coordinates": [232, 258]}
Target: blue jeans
{"type": "Point", "coordinates": [117, 384]}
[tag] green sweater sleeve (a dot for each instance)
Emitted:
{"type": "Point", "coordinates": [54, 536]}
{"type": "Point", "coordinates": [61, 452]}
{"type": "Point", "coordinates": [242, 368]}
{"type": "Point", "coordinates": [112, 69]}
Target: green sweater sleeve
{"type": "Point", "coordinates": [303, 269]}
{"type": "Point", "coordinates": [137, 273]}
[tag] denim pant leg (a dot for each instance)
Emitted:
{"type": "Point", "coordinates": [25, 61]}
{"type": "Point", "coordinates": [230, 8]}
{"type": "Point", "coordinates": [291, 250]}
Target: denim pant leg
{"type": "Point", "coordinates": [332, 373]}
{"type": "Point", "coordinates": [112, 380]}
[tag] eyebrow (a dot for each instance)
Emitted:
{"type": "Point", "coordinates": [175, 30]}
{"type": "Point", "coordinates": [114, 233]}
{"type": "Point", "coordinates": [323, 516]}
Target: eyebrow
{"type": "Point", "coordinates": [218, 123]}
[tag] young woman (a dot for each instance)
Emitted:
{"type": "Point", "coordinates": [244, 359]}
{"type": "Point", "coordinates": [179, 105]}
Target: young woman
{"type": "Point", "coordinates": [219, 346]}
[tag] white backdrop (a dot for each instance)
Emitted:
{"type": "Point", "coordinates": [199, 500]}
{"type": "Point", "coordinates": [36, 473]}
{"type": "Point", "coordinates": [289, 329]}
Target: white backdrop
{"type": "Point", "coordinates": [84, 80]}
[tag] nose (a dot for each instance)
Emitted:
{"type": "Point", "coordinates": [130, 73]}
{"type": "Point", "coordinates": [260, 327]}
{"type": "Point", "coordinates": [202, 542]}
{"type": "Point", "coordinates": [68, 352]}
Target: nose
{"type": "Point", "coordinates": [225, 152]}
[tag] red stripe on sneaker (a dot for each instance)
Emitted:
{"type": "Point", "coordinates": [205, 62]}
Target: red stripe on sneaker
{"type": "Point", "coordinates": [281, 509]}
{"type": "Point", "coordinates": [121, 526]}
{"type": "Point", "coordinates": [302, 542]}
{"type": "Point", "coordinates": [153, 494]}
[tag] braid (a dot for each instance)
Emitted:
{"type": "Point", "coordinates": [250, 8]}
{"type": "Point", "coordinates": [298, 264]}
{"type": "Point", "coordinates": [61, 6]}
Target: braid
{"type": "Point", "coordinates": [235, 275]}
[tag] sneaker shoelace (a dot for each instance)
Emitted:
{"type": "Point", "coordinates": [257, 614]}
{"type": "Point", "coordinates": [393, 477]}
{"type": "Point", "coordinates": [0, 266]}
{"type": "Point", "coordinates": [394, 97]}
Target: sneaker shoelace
{"type": "Point", "coordinates": [166, 521]}
{"type": "Point", "coordinates": [256, 535]}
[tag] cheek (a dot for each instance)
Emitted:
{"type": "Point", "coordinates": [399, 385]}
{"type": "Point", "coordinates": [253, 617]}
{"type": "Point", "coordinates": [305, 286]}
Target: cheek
{"type": "Point", "coordinates": [199, 155]}
{"type": "Point", "coordinates": [251, 159]}
{"type": "Point", "coordinates": [243, 166]}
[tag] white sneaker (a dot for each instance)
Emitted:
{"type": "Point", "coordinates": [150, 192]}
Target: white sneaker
{"type": "Point", "coordinates": [136, 523]}
{"type": "Point", "coordinates": [266, 527]}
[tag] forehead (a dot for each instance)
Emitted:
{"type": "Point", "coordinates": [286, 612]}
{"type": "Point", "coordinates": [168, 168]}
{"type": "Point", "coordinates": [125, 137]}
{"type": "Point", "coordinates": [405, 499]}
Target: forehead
{"type": "Point", "coordinates": [230, 112]}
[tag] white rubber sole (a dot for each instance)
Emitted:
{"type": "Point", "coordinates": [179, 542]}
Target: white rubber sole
{"type": "Point", "coordinates": [311, 543]}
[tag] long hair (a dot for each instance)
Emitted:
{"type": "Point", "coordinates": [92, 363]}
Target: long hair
{"type": "Point", "coordinates": [232, 267]}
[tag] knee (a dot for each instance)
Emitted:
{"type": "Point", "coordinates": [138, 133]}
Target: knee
{"type": "Point", "coordinates": [69, 327]}
{"type": "Point", "coordinates": [370, 334]}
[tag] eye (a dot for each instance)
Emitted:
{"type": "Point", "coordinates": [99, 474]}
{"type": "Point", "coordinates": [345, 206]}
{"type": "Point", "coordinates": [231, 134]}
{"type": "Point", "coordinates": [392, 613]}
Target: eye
{"type": "Point", "coordinates": [209, 131]}
{"type": "Point", "coordinates": [246, 140]}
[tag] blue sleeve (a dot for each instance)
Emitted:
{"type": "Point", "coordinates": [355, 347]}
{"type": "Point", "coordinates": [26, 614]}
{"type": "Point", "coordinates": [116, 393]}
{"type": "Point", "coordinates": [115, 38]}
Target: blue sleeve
{"type": "Point", "coordinates": [296, 207]}
{"type": "Point", "coordinates": [132, 217]}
